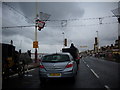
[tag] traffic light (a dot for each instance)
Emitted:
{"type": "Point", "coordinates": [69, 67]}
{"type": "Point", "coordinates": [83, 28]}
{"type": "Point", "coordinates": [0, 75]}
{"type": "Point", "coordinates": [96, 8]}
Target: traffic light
{"type": "Point", "coordinates": [96, 41]}
{"type": "Point", "coordinates": [65, 42]}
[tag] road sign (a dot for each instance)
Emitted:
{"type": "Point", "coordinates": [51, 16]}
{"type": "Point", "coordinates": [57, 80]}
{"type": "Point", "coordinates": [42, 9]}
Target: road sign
{"type": "Point", "coordinates": [35, 44]}
{"type": "Point", "coordinates": [40, 24]}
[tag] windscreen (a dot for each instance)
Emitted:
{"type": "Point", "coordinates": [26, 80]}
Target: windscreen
{"type": "Point", "coordinates": [56, 58]}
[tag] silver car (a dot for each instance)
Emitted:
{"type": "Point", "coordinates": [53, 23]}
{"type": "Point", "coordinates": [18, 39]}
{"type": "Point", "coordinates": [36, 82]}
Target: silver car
{"type": "Point", "coordinates": [58, 65]}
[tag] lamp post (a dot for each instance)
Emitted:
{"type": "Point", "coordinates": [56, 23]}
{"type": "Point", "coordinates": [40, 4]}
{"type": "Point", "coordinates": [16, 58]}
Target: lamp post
{"type": "Point", "coordinates": [63, 38]}
{"type": "Point", "coordinates": [116, 13]}
{"type": "Point", "coordinates": [36, 32]}
{"type": "Point", "coordinates": [97, 42]}
{"type": "Point", "coordinates": [39, 24]}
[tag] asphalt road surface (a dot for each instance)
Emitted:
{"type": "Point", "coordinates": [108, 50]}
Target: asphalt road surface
{"type": "Point", "coordinates": [92, 73]}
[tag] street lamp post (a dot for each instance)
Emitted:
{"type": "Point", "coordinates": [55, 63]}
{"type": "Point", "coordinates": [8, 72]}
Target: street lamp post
{"type": "Point", "coordinates": [119, 34]}
{"type": "Point", "coordinates": [97, 42]}
{"type": "Point", "coordinates": [39, 24]}
{"type": "Point", "coordinates": [36, 31]}
{"type": "Point", "coordinates": [64, 24]}
{"type": "Point", "coordinates": [116, 12]}
{"type": "Point", "coordinates": [63, 38]}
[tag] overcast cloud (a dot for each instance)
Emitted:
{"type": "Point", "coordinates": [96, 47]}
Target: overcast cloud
{"type": "Point", "coordinates": [81, 32]}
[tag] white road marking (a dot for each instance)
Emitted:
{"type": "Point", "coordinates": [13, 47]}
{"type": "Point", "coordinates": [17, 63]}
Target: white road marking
{"type": "Point", "coordinates": [13, 75]}
{"type": "Point", "coordinates": [30, 70]}
{"type": "Point", "coordinates": [107, 87]}
{"type": "Point", "coordinates": [94, 73]}
{"type": "Point", "coordinates": [28, 75]}
{"type": "Point", "coordinates": [17, 74]}
{"type": "Point", "coordinates": [84, 61]}
{"type": "Point", "coordinates": [91, 70]}
{"type": "Point", "coordinates": [88, 66]}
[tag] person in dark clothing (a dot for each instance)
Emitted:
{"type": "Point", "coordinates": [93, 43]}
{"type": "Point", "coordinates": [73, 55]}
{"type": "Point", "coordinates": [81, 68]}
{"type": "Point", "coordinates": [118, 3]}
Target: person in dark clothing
{"type": "Point", "coordinates": [75, 53]}
{"type": "Point", "coordinates": [72, 46]}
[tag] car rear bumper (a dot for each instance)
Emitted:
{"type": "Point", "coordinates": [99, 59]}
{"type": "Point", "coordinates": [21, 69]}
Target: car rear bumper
{"type": "Point", "coordinates": [62, 74]}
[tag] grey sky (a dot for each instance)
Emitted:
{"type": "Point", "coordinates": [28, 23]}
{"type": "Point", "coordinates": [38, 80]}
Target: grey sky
{"type": "Point", "coordinates": [51, 38]}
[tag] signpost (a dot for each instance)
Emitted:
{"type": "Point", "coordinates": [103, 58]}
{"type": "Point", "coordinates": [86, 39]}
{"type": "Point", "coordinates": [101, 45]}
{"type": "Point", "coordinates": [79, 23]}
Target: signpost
{"type": "Point", "coordinates": [39, 24]}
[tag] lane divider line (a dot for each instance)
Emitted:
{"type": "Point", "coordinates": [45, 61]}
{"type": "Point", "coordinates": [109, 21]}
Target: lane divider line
{"type": "Point", "coordinates": [94, 73]}
{"type": "Point", "coordinates": [91, 70]}
{"type": "Point", "coordinates": [107, 87]}
{"type": "Point", "coordinates": [88, 66]}
{"type": "Point", "coordinates": [84, 61]}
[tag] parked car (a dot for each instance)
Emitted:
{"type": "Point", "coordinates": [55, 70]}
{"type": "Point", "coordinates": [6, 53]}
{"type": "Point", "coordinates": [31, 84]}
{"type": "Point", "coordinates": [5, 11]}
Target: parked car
{"type": "Point", "coordinates": [58, 65]}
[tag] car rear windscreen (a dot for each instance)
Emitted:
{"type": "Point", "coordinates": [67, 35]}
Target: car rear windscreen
{"type": "Point", "coordinates": [56, 58]}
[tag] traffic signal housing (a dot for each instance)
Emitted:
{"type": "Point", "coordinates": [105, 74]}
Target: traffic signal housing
{"type": "Point", "coordinates": [65, 42]}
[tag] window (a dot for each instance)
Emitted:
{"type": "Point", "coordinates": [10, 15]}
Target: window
{"type": "Point", "coordinates": [56, 58]}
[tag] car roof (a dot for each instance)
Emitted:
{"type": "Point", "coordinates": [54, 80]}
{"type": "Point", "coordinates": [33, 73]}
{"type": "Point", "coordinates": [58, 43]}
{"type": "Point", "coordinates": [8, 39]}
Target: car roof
{"type": "Point", "coordinates": [59, 53]}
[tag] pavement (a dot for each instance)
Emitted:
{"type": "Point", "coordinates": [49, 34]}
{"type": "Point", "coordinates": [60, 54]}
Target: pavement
{"type": "Point", "coordinates": [32, 65]}
{"type": "Point", "coordinates": [28, 67]}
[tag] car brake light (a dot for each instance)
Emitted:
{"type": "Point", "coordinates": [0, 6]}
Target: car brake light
{"type": "Point", "coordinates": [69, 65]}
{"type": "Point", "coordinates": [41, 66]}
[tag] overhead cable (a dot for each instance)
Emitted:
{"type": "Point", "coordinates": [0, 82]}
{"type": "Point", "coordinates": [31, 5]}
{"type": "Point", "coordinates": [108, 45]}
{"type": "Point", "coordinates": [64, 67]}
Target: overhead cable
{"type": "Point", "coordinates": [4, 3]}
{"type": "Point", "coordinates": [82, 25]}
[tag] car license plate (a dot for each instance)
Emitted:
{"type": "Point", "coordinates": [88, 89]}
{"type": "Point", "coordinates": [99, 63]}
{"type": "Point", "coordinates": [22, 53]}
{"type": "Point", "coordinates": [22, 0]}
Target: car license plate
{"type": "Point", "coordinates": [55, 74]}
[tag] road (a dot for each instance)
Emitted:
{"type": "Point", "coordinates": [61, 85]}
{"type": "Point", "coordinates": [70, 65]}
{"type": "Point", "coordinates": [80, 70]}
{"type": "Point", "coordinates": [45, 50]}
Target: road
{"type": "Point", "coordinates": [92, 73]}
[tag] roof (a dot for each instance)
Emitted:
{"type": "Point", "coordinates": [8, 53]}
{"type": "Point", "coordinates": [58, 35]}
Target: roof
{"type": "Point", "coordinates": [63, 53]}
